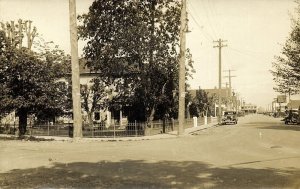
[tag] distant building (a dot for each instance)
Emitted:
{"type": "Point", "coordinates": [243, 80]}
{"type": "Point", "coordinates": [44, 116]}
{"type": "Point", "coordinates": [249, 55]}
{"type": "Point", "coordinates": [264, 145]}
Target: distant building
{"type": "Point", "coordinates": [249, 108]}
{"type": "Point", "coordinates": [212, 92]}
{"type": "Point", "coordinates": [293, 105]}
{"type": "Point", "coordinates": [225, 92]}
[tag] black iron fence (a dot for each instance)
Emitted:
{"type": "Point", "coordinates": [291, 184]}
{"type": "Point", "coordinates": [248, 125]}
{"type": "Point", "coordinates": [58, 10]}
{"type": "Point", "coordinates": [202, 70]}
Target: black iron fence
{"type": "Point", "coordinates": [103, 130]}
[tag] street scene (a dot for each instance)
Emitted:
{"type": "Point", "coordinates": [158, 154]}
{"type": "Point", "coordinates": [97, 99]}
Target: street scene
{"type": "Point", "coordinates": [258, 152]}
{"type": "Point", "coordinates": [149, 94]}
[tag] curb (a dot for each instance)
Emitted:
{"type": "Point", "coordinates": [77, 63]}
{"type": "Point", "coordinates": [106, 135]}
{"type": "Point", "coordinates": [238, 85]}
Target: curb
{"type": "Point", "coordinates": [172, 134]}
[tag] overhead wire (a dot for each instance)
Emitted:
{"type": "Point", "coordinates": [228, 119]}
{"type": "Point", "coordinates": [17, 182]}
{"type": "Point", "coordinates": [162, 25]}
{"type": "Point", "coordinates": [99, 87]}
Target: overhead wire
{"type": "Point", "coordinates": [220, 27]}
{"type": "Point", "coordinates": [193, 14]}
{"type": "Point", "coordinates": [208, 17]}
{"type": "Point", "coordinates": [207, 35]}
{"type": "Point", "coordinates": [245, 53]}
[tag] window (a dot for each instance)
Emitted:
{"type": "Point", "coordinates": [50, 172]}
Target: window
{"type": "Point", "coordinates": [97, 116]}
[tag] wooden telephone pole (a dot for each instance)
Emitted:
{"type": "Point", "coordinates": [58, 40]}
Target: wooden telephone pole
{"type": "Point", "coordinates": [181, 92]}
{"type": "Point", "coordinates": [229, 77]}
{"type": "Point", "coordinates": [230, 87]}
{"type": "Point", "coordinates": [220, 45]}
{"type": "Point", "coordinates": [77, 120]}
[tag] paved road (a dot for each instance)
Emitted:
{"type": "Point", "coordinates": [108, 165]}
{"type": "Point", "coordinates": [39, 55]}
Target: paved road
{"type": "Point", "coordinates": [259, 152]}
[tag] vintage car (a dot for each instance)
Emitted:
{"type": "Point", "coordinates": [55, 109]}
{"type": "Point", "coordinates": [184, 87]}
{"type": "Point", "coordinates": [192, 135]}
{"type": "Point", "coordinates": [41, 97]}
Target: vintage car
{"type": "Point", "coordinates": [292, 117]}
{"type": "Point", "coordinates": [229, 117]}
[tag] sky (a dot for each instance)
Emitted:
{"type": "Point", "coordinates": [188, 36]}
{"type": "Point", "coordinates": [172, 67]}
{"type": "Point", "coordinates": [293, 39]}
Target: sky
{"type": "Point", "coordinates": [254, 29]}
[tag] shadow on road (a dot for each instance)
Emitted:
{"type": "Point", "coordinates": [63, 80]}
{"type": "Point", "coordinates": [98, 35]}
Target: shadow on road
{"type": "Point", "coordinates": [142, 174]}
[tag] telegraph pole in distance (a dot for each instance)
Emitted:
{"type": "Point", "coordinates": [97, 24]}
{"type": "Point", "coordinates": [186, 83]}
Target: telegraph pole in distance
{"type": "Point", "coordinates": [230, 76]}
{"type": "Point", "coordinates": [77, 120]}
{"type": "Point", "coordinates": [181, 91]}
{"type": "Point", "coordinates": [230, 86]}
{"type": "Point", "coordinates": [220, 45]}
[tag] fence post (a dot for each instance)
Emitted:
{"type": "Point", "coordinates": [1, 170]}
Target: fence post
{"type": "Point", "coordinates": [48, 128]}
{"type": "Point", "coordinates": [57, 129]}
{"type": "Point", "coordinates": [93, 129]}
{"type": "Point", "coordinates": [114, 130]}
{"type": "Point", "coordinates": [30, 130]}
{"type": "Point", "coordinates": [135, 128]}
{"type": "Point", "coordinates": [195, 121]}
{"type": "Point", "coordinates": [173, 123]}
{"type": "Point", "coordinates": [14, 127]}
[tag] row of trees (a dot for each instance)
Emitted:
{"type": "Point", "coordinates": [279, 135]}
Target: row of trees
{"type": "Point", "coordinates": [131, 45]}
{"type": "Point", "coordinates": [286, 68]}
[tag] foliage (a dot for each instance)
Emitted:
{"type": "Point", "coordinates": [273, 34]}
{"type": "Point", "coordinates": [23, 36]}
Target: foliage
{"type": "Point", "coordinates": [200, 104]}
{"type": "Point", "coordinates": [135, 45]}
{"type": "Point", "coordinates": [30, 81]}
{"type": "Point", "coordinates": [286, 68]}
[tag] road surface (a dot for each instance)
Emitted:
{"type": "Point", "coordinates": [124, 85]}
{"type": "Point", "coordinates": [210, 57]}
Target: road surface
{"type": "Point", "coordinates": [258, 152]}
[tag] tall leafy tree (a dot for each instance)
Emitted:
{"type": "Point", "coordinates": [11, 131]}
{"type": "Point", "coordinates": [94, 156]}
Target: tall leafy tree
{"type": "Point", "coordinates": [286, 68]}
{"type": "Point", "coordinates": [30, 81]}
{"type": "Point", "coordinates": [135, 44]}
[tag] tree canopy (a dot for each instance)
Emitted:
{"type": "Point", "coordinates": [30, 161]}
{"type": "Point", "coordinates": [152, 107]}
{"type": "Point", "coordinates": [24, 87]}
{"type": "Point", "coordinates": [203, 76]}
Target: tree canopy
{"type": "Point", "coordinates": [135, 44]}
{"type": "Point", "coordinates": [286, 68]}
{"type": "Point", "coordinates": [30, 80]}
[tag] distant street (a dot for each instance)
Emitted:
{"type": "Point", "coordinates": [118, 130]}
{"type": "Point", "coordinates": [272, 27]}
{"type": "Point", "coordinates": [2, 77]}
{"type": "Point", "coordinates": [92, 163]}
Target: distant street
{"type": "Point", "coordinates": [258, 152]}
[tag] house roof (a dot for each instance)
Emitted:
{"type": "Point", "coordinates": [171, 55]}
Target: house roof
{"type": "Point", "coordinates": [224, 92]}
{"type": "Point", "coordinates": [126, 68]}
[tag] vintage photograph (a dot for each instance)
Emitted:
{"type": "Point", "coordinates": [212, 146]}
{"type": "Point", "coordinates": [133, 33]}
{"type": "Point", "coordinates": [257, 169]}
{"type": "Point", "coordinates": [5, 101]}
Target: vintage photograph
{"type": "Point", "coordinates": [138, 94]}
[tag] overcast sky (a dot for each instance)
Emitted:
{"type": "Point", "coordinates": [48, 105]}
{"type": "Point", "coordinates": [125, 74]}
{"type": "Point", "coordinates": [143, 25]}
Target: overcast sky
{"type": "Point", "coordinates": [254, 30]}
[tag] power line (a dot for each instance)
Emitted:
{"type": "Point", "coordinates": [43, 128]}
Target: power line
{"type": "Point", "coordinates": [247, 54]}
{"type": "Point", "coordinates": [201, 28]}
{"type": "Point", "coordinates": [214, 15]}
{"type": "Point", "coordinates": [197, 17]}
{"type": "Point", "coordinates": [208, 19]}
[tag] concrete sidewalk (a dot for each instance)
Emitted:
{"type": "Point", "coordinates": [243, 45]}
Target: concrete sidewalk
{"type": "Point", "coordinates": [172, 134]}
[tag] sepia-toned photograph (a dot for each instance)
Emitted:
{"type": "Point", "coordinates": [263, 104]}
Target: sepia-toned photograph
{"type": "Point", "coordinates": [150, 94]}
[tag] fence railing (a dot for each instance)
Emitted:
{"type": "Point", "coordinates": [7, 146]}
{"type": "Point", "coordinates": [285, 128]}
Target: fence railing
{"type": "Point", "coordinates": [102, 130]}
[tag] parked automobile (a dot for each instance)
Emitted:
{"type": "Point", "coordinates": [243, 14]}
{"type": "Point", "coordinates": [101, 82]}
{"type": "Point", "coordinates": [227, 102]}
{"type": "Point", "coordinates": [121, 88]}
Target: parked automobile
{"type": "Point", "coordinates": [292, 117]}
{"type": "Point", "coordinates": [229, 117]}
{"type": "Point", "coordinates": [241, 114]}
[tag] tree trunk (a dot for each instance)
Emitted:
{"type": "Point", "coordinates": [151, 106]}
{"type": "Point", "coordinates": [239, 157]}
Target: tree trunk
{"type": "Point", "coordinates": [151, 117]}
{"type": "Point", "coordinates": [164, 125]}
{"type": "Point", "coordinates": [22, 113]}
{"type": "Point", "coordinates": [90, 119]}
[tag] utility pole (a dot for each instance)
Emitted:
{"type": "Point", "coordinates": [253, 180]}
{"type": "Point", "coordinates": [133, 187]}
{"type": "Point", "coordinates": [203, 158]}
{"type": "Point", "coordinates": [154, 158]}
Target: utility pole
{"type": "Point", "coordinates": [220, 45]}
{"type": "Point", "coordinates": [181, 91]}
{"type": "Point", "coordinates": [230, 86]}
{"type": "Point", "coordinates": [229, 77]}
{"type": "Point", "coordinates": [77, 120]}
